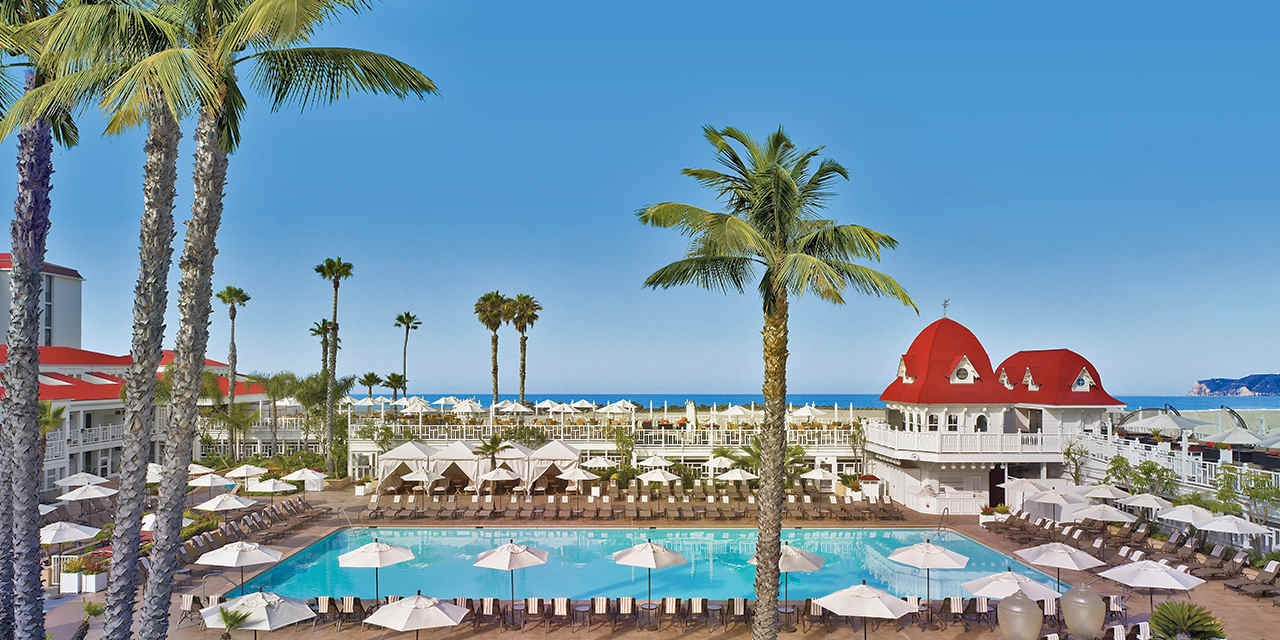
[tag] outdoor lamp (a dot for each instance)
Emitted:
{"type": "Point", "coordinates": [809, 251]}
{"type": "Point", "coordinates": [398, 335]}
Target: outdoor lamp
{"type": "Point", "coordinates": [1084, 612]}
{"type": "Point", "coordinates": [1020, 617]}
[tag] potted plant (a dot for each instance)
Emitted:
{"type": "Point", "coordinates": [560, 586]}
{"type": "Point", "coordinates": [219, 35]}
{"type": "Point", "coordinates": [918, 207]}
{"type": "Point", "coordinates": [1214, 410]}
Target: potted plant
{"type": "Point", "coordinates": [91, 610]}
{"type": "Point", "coordinates": [231, 620]}
{"type": "Point", "coordinates": [988, 514]}
{"type": "Point", "coordinates": [93, 575]}
{"type": "Point", "coordinates": [69, 577]}
{"type": "Point", "coordinates": [1184, 620]}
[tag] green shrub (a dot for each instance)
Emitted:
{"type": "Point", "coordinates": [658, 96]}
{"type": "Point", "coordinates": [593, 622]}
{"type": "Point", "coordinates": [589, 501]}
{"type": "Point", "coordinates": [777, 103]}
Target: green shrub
{"type": "Point", "coordinates": [1174, 619]}
{"type": "Point", "coordinates": [1002, 508]}
{"type": "Point", "coordinates": [72, 565]}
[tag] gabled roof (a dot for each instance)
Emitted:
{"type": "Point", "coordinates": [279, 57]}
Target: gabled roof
{"type": "Point", "coordinates": [930, 360]}
{"type": "Point", "coordinates": [6, 264]}
{"type": "Point", "coordinates": [1055, 372]}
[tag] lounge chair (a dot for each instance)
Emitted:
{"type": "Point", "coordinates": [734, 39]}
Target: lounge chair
{"type": "Point", "coordinates": [410, 506]}
{"type": "Point", "coordinates": [599, 609]}
{"type": "Point", "coordinates": [625, 609]}
{"type": "Point", "coordinates": [1116, 608]}
{"type": "Point", "coordinates": [532, 611]}
{"type": "Point", "coordinates": [472, 509]}
{"type": "Point", "coordinates": [910, 617]}
{"type": "Point", "coordinates": [695, 609]}
{"type": "Point", "coordinates": [350, 610]}
{"type": "Point", "coordinates": [559, 611]}
{"type": "Point", "coordinates": [813, 613]}
{"type": "Point", "coordinates": [325, 611]}
{"type": "Point", "coordinates": [1051, 614]}
{"type": "Point", "coordinates": [190, 607]}
{"type": "Point", "coordinates": [951, 610]}
{"type": "Point", "coordinates": [1214, 561]}
{"type": "Point", "coordinates": [669, 609]}
{"type": "Point", "coordinates": [490, 610]}
{"type": "Point", "coordinates": [485, 510]}
{"type": "Point", "coordinates": [1266, 576]}
{"type": "Point", "coordinates": [739, 611]}
{"type": "Point", "coordinates": [978, 610]}
{"type": "Point", "coordinates": [1228, 570]}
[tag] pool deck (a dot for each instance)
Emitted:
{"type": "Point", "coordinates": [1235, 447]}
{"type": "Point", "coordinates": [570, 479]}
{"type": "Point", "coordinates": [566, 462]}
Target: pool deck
{"type": "Point", "coordinates": [1243, 617]}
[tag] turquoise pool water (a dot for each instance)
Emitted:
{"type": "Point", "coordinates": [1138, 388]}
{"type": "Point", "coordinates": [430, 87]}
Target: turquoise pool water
{"type": "Point", "coordinates": [579, 565]}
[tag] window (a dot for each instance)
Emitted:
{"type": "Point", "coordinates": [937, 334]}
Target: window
{"type": "Point", "coordinates": [47, 311]}
{"type": "Point", "coordinates": [980, 425]}
{"type": "Point", "coordinates": [953, 422]}
{"type": "Point", "coordinates": [933, 422]}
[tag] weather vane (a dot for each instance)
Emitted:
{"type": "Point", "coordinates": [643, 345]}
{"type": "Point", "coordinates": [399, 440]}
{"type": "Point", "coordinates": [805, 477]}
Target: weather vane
{"type": "Point", "coordinates": [946, 302]}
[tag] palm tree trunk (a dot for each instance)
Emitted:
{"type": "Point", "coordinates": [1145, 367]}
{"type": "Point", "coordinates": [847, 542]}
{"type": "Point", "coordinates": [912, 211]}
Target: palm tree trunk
{"type": "Point", "coordinates": [28, 233]}
{"type": "Point", "coordinates": [773, 442]}
{"type": "Point", "coordinates": [523, 341]}
{"type": "Point", "coordinates": [333, 366]}
{"type": "Point", "coordinates": [404, 356]}
{"type": "Point", "coordinates": [195, 292]}
{"type": "Point", "coordinates": [231, 382]}
{"type": "Point", "coordinates": [275, 429]}
{"type": "Point", "coordinates": [493, 361]}
{"type": "Point", "coordinates": [6, 525]}
{"type": "Point", "coordinates": [151, 295]}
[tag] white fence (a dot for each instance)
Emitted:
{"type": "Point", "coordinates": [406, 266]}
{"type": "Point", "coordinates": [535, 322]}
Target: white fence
{"type": "Point", "coordinates": [959, 442]}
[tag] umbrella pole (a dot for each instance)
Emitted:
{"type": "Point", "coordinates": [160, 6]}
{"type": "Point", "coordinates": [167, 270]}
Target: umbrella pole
{"type": "Point", "coordinates": [649, 580]}
{"type": "Point", "coordinates": [242, 581]}
{"type": "Point", "coordinates": [1059, 579]}
{"type": "Point", "coordinates": [513, 586]}
{"type": "Point", "coordinates": [376, 594]}
{"type": "Point", "coordinates": [928, 597]}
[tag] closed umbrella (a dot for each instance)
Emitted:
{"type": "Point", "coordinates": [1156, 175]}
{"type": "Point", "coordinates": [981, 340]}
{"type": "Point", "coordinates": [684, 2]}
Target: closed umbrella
{"type": "Point", "coordinates": [863, 601]}
{"type": "Point", "coordinates": [1152, 575]}
{"type": "Point", "coordinates": [649, 555]}
{"type": "Point", "coordinates": [509, 557]}
{"type": "Point", "coordinates": [79, 480]}
{"type": "Point", "coordinates": [1007, 583]}
{"type": "Point", "coordinates": [1059, 556]}
{"type": "Point", "coordinates": [267, 612]}
{"type": "Point", "coordinates": [239, 554]}
{"type": "Point", "coordinates": [793, 559]}
{"type": "Point", "coordinates": [416, 613]}
{"type": "Point", "coordinates": [928, 556]}
{"type": "Point", "coordinates": [375, 555]}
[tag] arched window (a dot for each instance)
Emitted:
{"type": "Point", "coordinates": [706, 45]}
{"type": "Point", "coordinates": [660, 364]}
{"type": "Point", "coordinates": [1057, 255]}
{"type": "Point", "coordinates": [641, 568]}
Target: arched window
{"type": "Point", "coordinates": [933, 422]}
{"type": "Point", "coordinates": [980, 425]}
{"type": "Point", "coordinates": [953, 422]}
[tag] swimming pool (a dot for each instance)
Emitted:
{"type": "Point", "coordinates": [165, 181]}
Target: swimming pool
{"type": "Point", "coordinates": [579, 566]}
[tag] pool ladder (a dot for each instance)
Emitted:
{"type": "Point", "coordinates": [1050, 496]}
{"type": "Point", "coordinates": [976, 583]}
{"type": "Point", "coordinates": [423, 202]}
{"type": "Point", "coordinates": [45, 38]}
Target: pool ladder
{"type": "Point", "coordinates": [942, 517]}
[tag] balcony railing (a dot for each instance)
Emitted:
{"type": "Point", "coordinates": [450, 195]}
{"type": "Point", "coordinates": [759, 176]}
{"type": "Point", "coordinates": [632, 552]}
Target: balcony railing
{"type": "Point", "coordinates": [97, 434]}
{"type": "Point", "coordinates": [54, 450]}
{"type": "Point", "coordinates": [603, 435]}
{"type": "Point", "coordinates": [957, 442]}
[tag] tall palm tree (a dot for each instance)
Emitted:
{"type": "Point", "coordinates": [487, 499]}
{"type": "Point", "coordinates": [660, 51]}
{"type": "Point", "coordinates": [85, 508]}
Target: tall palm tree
{"type": "Point", "coordinates": [369, 381]}
{"type": "Point", "coordinates": [490, 448]}
{"type": "Point", "coordinates": [395, 382]}
{"type": "Point", "coordinates": [492, 310]}
{"type": "Point", "coordinates": [232, 297]}
{"type": "Point", "coordinates": [773, 195]}
{"type": "Point", "coordinates": [276, 387]}
{"type": "Point", "coordinates": [410, 322]}
{"type": "Point", "coordinates": [524, 312]}
{"type": "Point", "coordinates": [222, 38]}
{"type": "Point", "coordinates": [751, 457]}
{"type": "Point", "coordinates": [323, 329]}
{"type": "Point", "coordinates": [335, 271]}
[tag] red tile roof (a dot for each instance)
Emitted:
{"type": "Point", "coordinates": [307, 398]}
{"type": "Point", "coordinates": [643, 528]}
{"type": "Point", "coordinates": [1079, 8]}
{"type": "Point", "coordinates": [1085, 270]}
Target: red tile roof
{"type": "Point", "coordinates": [166, 357]}
{"type": "Point", "coordinates": [68, 356]}
{"type": "Point", "coordinates": [1054, 372]}
{"type": "Point", "coordinates": [78, 389]}
{"type": "Point", "coordinates": [6, 263]}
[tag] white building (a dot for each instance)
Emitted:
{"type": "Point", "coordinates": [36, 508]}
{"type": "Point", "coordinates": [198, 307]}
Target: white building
{"type": "Point", "coordinates": [956, 426]}
{"type": "Point", "coordinates": [59, 304]}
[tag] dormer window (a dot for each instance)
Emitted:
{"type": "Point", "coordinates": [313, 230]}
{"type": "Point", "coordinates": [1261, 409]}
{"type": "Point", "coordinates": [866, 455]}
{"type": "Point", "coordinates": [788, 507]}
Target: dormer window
{"type": "Point", "coordinates": [964, 372]}
{"type": "Point", "coordinates": [1083, 382]}
{"type": "Point", "coordinates": [902, 371]}
{"type": "Point", "coordinates": [1004, 379]}
{"type": "Point", "coordinates": [1029, 381]}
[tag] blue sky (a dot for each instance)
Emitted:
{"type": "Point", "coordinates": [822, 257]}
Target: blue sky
{"type": "Point", "coordinates": [1100, 177]}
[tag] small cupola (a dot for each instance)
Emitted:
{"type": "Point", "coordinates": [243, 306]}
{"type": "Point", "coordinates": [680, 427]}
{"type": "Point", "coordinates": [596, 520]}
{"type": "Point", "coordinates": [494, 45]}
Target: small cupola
{"type": "Point", "coordinates": [1084, 381]}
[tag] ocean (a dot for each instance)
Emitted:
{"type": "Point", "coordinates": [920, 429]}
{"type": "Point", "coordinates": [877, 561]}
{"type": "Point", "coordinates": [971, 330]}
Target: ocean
{"type": "Point", "coordinates": [859, 400]}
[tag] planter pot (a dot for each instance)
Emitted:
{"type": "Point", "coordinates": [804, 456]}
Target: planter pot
{"type": "Point", "coordinates": [361, 489]}
{"type": "Point", "coordinates": [870, 489]}
{"type": "Point", "coordinates": [1001, 517]}
{"type": "Point", "coordinates": [93, 582]}
{"type": "Point", "coordinates": [69, 583]}
{"type": "Point", "coordinates": [985, 519]}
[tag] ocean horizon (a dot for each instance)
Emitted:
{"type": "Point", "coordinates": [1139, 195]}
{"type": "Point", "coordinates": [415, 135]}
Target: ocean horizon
{"type": "Point", "coordinates": [858, 400]}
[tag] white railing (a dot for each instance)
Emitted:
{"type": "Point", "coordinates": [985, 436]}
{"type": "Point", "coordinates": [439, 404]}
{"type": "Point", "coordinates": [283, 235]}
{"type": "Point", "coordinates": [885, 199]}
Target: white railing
{"type": "Point", "coordinates": [804, 436]}
{"type": "Point", "coordinates": [97, 434]}
{"type": "Point", "coordinates": [54, 450]}
{"type": "Point", "coordinates": [958, 442]}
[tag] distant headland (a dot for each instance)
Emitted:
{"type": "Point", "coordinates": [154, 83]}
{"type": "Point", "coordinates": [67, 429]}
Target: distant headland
{"type": "Point", "coordinates": [1258, 384]}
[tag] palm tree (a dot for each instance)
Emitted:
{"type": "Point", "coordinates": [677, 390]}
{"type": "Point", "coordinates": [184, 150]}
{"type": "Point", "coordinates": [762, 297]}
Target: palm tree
{"type": "Point", "coordinates": [410, 322]}
{"type": "Point", "coordinates": [524, 312]}
{"type": "Point", "coordinates": [323, 329]}
{"type": "Point", "coordinates": [277, 387]}
{"type": "Point", "coordinates": [395, 382]}
{"type": "Point", "coordinates": [237, 420]}
{"type": "Point", "coordinates": [335, 271]}
{"type": "Point", "coordinates": [491, 447]}
{"type": "Point", "coordinates": [51, 418]}
{"type": "Point", "coordinates": [369, 381]}
{"type": "Point", "coordinates": [773, 195]}
{"type": "Point", "coordinates": [231, 620]}
{"type": "Point", "coordinates": [232, 297]}
{"type": "Point", "coordinates": [751, 458]}
{"type": "Point", "coordinates": [492, 310]}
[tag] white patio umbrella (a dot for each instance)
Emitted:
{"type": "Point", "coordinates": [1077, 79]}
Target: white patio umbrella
{"type": "Point", "coordinates": [427, 478]}
{"type": "Point", "coordinates": [649, 555]}
{"type": "Point", "coordinates": [210, 480]}
{"type": "Point", "coordinates": [445, 401]}
{"type": "Point", "coordinates": [1053, 496]}
{"type": "Point", "coordinates": [46, 509]}
{"type": "Point", "coordinates": [615, 410]}
{"type": "Point", "coordinates": [598, 462]}
{"type": "Point", "coordinates": [583, 404]}
{"type": "Point", "coordinates": [272, 486]}
{"type": "Point", "coordinates": [416, 613]}
{"type": "Point", "coordinates": [246, 471]}
{"type": "Point", "coordinates": [1233, 525]}
{"type": "Point", "coordinates": [863, 601]}
{"type": "Point", "coordinates": [1152, 575]}
{"type": "Point", "coordinates": [88, 492]}
{"type": "Point", "coordinates": [1106, 492]}
{"type": "Point", "coordinates": [400, 402]}
{"type": "Point", "coordinates": [239, 554]}
{"type": "Point", "coordinates": [1188, 513]}
{"type": "Point", "coordinates": [657, 475]}
{"type": "Point", "coordinates": [304, 475]}
{"type": "Point", "coordinates": [806, 413]}
{"type": "Point", "coordinates": [149, 522]}
{"type": "Point", "coordinates": [720, 462]}
{"type": "Point", "coordinates": [502, 404]}
{"type": "Point", "coordinates": [1146, 501]}
{"type": "Point", "coordinates": [375, 555]}
{"type": "Point", "coordinates": [60, 533]}
{"type": "Point", "coordinates": [194, 469]}
{"type": "Point", "coordinates": [509, 557]}
{"type": "Point", "coordinates": [1101, 513]}
{"type": "Point", "coordinates": [579, 475]}
{"type": "Point", "coordinates": [80, 479]}
{"type": "Point", "coordinates": [225, 502]}
{"type": "Point", "coordinates": [516, 407]}
{"type": "Point", "coordinates": [267, 612]}
{"type": "Point", "coordinates": [655, 461]}
{"type": "Point", "coordinates": [820, 474]}
{"type": "Point", "coordinates": [1007, 583]}
{"type": "Point", "coordinates": [793, 559]}
{"type": "Point", "coordinates": [1165, 423]}
{"type": "Point", "coordinates": [1059, 556]}
{"type": "Point", "coordinates": [545, 404]}
{"type": "Point", "coordinates": [1023, 486]}
{"type": "Point", "coordinates": [737, 475]}
{"type": "Point", "coordinates": [928, 556]}
{"type": "Point", "coordinates": [365, 402]}
{"type": "Point", "coordinates": [501, 474]}
{"type": "Point", "coordinates": [1236, 436]}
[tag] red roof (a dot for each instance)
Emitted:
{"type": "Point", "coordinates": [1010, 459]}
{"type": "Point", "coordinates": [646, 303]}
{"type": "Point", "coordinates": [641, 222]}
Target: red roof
{"type": "Point", "coordinates": [936, 353]}
{"type": "Point", "coordinates": [1055, 372]}
{"type": "Point", "coordinates": [930, 361]}
{"type": "Point", "coordinates": [6, 263]}
{"type": "Point", "coordinates": [76, 389]}
{"type": "Point", "coordinates": [166, 357]}
{"type": "Point", "coordinates": [68, 356]}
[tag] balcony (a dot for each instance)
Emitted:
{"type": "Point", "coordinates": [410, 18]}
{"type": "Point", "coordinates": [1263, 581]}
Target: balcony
{"type": "Point", "coordinates": [100, 434]}
{"type": "Point", "coordinates": [54, 450]}
{"type": "Point", "coordinates": [944, 446]}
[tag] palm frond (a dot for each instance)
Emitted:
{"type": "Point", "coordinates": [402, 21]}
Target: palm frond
{"type": "Point", "coordinates": [81, 34]}
{"type": "Point", "coordinates": [62, 94]}
{"type": "Point", "coordinates": [816, 190]}
{"type": "Point", "coordinates": [844, 242]}
{"type": "Point", "coordinates": [232, 110]}
{"type": "Point", "coordinates": [716, 273]}
{"type": "Point", "coordinates": [800, 273]}
{"type": "Point", "coordinates": [309, 75]}
{"type": "Point", "coordinates": [278, 23]}
{"type": "Point", "coordinates": [870, 282]}
{"type": "Point", "coordinates": [178, 75]}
